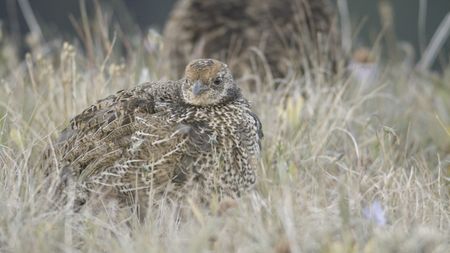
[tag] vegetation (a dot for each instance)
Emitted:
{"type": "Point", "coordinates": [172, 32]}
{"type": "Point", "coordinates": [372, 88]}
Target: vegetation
{"type": "Point", "coordinates": [348, 165]}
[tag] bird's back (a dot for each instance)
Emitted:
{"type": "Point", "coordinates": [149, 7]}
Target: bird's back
{"type": "Point", "coordinates": [112, 119]}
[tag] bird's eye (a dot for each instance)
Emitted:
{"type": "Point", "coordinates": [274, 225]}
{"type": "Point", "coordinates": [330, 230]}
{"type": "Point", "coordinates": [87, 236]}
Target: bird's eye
{"type": "Point", "coordinates": [218, 81]}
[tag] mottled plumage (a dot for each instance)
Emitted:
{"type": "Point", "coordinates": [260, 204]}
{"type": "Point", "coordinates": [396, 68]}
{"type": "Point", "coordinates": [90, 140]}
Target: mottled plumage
{"type": "Point", "coordinates": [289, 33]}
{"type": "Point", "coordinates": [164, 138]}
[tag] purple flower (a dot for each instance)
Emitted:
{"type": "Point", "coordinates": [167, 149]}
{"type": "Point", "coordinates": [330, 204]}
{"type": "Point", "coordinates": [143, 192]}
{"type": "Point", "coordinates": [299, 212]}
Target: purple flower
{"type": "Point", "coordinates": [375, 212]}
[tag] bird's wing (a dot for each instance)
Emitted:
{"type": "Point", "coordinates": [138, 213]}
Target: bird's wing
{"type": "Point", "coordinates": [107, 125]}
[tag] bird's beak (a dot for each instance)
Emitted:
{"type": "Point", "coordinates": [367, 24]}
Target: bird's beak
{"type": "Point", "coordinates": [198, 88]}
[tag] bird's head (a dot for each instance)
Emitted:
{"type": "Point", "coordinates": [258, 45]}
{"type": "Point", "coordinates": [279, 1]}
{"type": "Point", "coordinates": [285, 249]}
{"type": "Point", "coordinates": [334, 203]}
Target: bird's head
{"type": "Point", "coordinates": [208, 82]}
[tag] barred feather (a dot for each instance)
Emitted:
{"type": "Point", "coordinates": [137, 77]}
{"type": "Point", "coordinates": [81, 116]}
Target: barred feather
{"type": "Point", "coordinates": [150, 138]}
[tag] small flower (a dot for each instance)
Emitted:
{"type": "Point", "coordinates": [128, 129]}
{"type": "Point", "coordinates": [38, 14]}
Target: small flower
{"type": "Point", "coordinates": [375, 213]}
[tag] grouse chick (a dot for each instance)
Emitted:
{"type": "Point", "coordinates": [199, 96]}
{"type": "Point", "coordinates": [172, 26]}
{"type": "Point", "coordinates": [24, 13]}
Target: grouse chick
{"type": "Point", "coordinates": [165, 138]}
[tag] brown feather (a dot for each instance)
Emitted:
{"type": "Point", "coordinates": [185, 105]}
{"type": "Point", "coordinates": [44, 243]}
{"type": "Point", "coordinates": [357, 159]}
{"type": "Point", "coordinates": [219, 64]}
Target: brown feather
{"type": "Point", "coordinates": [150, 139]}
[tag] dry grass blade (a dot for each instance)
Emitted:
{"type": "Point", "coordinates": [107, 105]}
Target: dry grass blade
{"type": "Point", "coordinates": [434, 47]}
{"type": "Point", "coordinates": [344, 169]}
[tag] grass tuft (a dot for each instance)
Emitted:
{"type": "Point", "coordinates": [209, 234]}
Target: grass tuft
{"type": "Point", "coordinates": [350, 167]}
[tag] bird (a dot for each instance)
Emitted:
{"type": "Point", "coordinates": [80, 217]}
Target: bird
{"type": "Point", "coordinates": [287, 33]}
{"type": "Point", "coordinates": [164, 138]}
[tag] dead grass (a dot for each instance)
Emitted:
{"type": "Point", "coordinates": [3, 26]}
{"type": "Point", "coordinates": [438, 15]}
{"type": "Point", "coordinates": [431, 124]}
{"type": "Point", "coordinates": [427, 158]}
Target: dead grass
{"type": "Point", "coordinates": [354, 168]}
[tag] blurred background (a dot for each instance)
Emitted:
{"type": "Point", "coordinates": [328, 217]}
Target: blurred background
{"type": "Point", "coordinates": [415, 21]}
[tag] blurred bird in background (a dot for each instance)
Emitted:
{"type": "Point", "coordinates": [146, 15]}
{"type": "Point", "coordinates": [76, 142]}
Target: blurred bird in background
{"type": "Point", "coordinates": [284, 35]}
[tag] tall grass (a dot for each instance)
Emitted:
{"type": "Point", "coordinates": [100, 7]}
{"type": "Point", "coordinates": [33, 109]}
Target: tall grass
{"type": "Point", "coordinates": [352, 168]}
